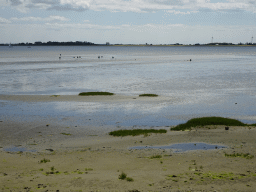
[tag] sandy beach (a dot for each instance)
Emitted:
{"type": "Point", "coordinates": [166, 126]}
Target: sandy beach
{"type": "Point", "coordinates": [37, 156]}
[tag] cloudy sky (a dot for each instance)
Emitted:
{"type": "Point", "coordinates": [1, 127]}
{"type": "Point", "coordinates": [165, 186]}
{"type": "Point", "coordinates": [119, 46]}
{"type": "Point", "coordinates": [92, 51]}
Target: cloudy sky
{"type": "Point", "coordinates": [128, 21]}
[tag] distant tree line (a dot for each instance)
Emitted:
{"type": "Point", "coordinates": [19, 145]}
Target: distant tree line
{"type": "Point", "coordinates": [85, 43]}
{"type": "Point", "coordinates": [52, 43]}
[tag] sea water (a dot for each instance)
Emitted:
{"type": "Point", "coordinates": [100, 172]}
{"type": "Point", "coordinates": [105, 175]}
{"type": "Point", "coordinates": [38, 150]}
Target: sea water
{"type": "Point", "coordinates": [198, 80]}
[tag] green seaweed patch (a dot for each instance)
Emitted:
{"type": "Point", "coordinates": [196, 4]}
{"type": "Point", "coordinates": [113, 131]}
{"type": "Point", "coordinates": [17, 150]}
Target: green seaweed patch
{"type": "Point", "coordinates": [52, 171]}
{"type": "Point", "coordinates": [155, 157]}
{"type": "Point", "coordinates": [211, 175]}
{"type": "Point", "coordinates": [66, 134]}
{"type": "Point", "coordinates": [203, 121]}
{"type": "Point", "coordinates": [94, 93]}
{"type": "Point", "coordinates": [45, 160]}
{"type": "Point", "coordinates": [122, 176]}
{"type": "Point", "coordinates": [135, 132]}
{"type": "Point", "coordinates": [148, 95]}
{"type": "Point", "coordinates": [129, 179]}
{"type": "Point", "coordinates": [243, 155]}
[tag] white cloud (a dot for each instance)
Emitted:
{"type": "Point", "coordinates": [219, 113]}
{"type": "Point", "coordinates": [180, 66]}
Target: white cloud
{"type": "Point", "coordinates": [181, 12]}
{"type": "Point", "coordinates": [134, 5]}
{"type": "Point", "coordinates": [37, 19]}
{"type": "Point", "coordinates": [3, 20]}
{"type": "Point", "coordinates": [138, 34]}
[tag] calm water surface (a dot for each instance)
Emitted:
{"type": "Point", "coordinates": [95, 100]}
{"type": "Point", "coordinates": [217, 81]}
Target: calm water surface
{"type": "Point", "coordinates": [209, 85]}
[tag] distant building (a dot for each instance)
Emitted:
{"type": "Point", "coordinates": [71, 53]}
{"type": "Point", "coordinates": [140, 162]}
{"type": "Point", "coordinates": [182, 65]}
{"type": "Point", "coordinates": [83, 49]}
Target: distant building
{"type": "Point", "coordinates": [107, 43]}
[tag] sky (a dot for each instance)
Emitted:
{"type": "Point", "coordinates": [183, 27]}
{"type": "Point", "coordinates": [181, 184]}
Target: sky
{"type": "Point", "coordinates": [128, 21]}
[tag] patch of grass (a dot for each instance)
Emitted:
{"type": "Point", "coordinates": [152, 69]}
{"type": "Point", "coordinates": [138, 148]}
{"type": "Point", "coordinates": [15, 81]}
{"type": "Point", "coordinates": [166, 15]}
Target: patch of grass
{"type": "Point", "coordinates": [45, 160]}
{"type": "Point", "coordinates": [134, 132]}
{"type": "Point", "coordinates": [129, 179]}
{"type": "Point", "coordinates": [156, 157]}
{"type": "Point", "coordinates": [219, 175]}
{"type": "Point", "coordinates": [52, 171]}
{"type": "Point", "coordinates": [94, 93]}
{"type": "Point", "coordinates": [243, 155]}
{"type": "Point", "coordinates": [66, 134]}
{"type": "Point", "coordinates": [122, 176]}
{"type": "Point", "coordinates": [148, 95]}
{"type": "Point", "coordinates": [52, 168]}
{"type": "Point", "coordinates": [203, 121]}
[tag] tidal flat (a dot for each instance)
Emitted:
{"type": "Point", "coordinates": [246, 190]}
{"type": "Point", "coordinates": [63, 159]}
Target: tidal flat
{"type": "Point", "coordinates": [52, 139]}
{"type": "Point", "coordinates": [82, 162]}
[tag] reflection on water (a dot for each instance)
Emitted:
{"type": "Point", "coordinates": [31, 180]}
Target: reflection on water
{"type": "Point", "coordinates": [209, 85]}
{"type": "Point", "coordinates": [183, 147]}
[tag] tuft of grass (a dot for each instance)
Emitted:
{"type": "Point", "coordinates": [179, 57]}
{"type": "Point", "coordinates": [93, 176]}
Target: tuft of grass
{"type": "Point", "coordinates": [148, 95]}
{"type": "Point", "coordinates": [156, 157]}
{"type": "Point", "coordinates": [203, 121]}
{"type": "Point", "coordinates": [122, 176]}
{"type": "Point", "coordinates": [94, 93]}
{"type": "Point", "coordinates": [45, 160]}
{"type": "Point", "coordinates": [134, 132]}
{"type": "Point", "coordinates": [243, 155]}
{"type": "Point", "coordinates": [129, 179]}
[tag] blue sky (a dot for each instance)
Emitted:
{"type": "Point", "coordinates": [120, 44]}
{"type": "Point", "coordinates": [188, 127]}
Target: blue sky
{"type": "Point", "coordinates": [128, 21]}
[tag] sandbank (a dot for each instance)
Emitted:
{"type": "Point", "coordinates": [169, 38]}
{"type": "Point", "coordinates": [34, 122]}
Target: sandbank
{"type": "Point", "coordinates": [79, 161]}
{"type": "Point", "coordinates": [113, 98]}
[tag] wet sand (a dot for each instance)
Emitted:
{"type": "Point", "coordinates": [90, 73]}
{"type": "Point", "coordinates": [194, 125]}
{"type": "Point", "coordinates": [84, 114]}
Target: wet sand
{"type": "Point", "coordinates": [81, 161]}
{"type": "Point", "coordinates": [94, 163]}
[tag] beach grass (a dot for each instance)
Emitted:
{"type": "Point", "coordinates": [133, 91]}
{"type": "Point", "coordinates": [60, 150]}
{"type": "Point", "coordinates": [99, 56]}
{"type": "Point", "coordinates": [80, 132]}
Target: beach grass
{"type": "Point", "coordinates": [148, 95]}
{"type": "Point", "coordinates": [203, 121]}
{"type": "Point", "coordinates": [135, 132]}
{"type": "Point", "coordinates": [94, 93]}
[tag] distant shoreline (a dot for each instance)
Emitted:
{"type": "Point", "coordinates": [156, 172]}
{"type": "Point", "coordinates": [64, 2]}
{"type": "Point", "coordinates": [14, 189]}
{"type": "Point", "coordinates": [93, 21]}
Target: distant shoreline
{"type": "Point", "coordinates": [132, 45]}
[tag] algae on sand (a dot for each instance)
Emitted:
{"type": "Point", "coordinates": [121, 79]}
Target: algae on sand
{"type": "Point", "coordinates": [203, 121]}
{"type": "Point", "coordinates": [94, 93]}
{"type": "Point", "coordinates": [134, 132]}
{"type": "Point", "coordinates": [148, 95]}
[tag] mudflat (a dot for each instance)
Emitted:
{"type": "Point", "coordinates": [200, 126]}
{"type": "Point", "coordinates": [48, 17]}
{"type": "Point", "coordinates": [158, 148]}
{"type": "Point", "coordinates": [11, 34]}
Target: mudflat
{"type": "Point", "coordinates": [39, 157]}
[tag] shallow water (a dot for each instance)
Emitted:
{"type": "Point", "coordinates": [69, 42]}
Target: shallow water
{"type": "Point", "coordinates": [183, 147]}
{"type": "Point", "coordinates": [17, 149]}
{"type": "Point", "coordinates": [209, 85]}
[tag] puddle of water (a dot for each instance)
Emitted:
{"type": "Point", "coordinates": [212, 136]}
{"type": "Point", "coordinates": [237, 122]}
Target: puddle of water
{"type": "Point", "coordinates": [183, 147]}
{"type": "Point", "coordinates": [18, 149]}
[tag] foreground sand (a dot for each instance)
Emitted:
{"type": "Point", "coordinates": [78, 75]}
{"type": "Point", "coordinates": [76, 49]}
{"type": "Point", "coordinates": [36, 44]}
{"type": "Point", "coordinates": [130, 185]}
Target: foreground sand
{"type": "Point", "coordinates": [81, 162]}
